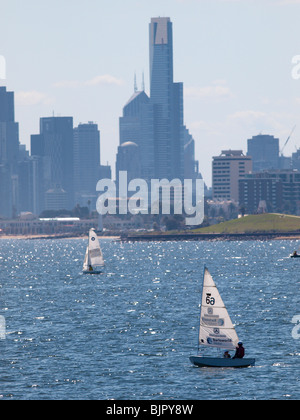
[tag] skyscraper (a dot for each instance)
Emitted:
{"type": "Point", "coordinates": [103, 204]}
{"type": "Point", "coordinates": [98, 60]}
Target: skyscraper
{"type": "Point", "coordinates": [86, 163]}
{"type": "Point", "coordinates": [136, 125]}
{"type": "Point", "coordinates": [167, 100]}
{"type": "Point", "coordinates": [9, 152]}
{"type": "Point", "coordinates": [264, 150]}
{"type": "Point", "coordinates": [156, 123]}
{"type": "Point", "coordinates": [55, 145]}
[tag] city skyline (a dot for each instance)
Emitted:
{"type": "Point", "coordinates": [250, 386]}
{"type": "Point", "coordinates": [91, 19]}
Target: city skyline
{"type": "Point", "coordinates": [235, 59]}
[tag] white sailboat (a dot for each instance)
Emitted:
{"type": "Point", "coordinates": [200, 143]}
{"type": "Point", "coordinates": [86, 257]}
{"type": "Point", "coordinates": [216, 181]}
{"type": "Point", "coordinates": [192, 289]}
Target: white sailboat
{"type": "Point", "coordinates": [93, 260]}
{"type": "Point", "coordinates": [216, 329]}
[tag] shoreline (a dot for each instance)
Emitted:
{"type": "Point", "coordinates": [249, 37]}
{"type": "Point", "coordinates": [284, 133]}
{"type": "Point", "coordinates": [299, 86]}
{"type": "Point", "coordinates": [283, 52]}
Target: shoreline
{"type": "Point", "coordinates": [164, 237]}
{"type": "Point", "coordinates": [45, 237]}
{"type": "Point", "coordinates": [254, 236]}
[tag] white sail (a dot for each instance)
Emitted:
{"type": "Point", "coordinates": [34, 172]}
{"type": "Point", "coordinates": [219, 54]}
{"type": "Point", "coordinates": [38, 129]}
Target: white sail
{"type": "Point", "coordinates": [216, 328]}
{"type": "Point", "coordinates": [86, 260]}
{"type": "Point", "coordinates": [93, 257]}
{"type": "Point", "coordinates": [95, 254]}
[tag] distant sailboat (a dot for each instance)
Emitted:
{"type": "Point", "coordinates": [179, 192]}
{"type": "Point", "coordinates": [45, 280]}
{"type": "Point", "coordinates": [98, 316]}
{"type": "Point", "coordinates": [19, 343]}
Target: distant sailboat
{"type": "Point", "coordinates": [295, 255]}
{"type": "Point", "coordinates": [216, 329]}
{"type": "Point", "coordinates": [93, 260]}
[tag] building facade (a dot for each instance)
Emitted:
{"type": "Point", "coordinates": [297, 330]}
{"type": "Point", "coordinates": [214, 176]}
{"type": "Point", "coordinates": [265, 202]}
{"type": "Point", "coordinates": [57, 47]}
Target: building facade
{"type": "Point", "coordinates": [279, 189]}
{"type": "Point", "coordinates": [136, 125]}
{"type": "Point", "coordinates": [264, 150]}
{"type": "Point", "coordinates": [167, 100]}
{"type": "Point", "coordinates": [86, 163]}
{"type": "Point", "coordinates": [9, 154]}
{"type": "Point", "coordinates": [227, 169]}
{"type": "Point", "coordinates": [155, 123]}
{"type": "Point", "coordinates": [55, 146]}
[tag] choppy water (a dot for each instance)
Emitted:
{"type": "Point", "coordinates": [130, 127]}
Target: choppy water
{"type": "Point", "coordinates": [128, 333]}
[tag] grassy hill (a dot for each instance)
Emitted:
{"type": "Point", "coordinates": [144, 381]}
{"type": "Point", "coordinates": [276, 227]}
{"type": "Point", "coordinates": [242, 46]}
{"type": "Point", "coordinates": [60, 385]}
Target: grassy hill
{"type": "Point", "coordinates": [255, 224]}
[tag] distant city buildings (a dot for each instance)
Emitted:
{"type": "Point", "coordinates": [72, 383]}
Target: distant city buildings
{"type": "Point", "coordinates": [64, 166]}
{"type": "Point", "coordinates": [62, 171]}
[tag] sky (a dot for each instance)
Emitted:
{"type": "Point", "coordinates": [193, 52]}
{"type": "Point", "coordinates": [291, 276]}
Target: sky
{"type": "Point", "coordinates": [78, 58]}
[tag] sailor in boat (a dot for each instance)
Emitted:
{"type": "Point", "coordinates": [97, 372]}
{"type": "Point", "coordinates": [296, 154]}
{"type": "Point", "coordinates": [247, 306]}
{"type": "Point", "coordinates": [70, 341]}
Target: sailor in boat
{"type": "Point", "coordinates": [226, 355]}
{"type": "Point", "coordinates": [240, 351]}
{"type": "Point", "coordinates": [91, 268]}
{"type": "Point", "coordinates": [295, 254]}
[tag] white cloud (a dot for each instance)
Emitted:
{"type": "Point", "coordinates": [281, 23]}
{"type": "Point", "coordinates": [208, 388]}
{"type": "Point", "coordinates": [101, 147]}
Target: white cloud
{"type": "Point", "coordinates": [217, 91]}
{"type": "Point", "coordinates": [67, 84]}
{"type": "Point", "coordinates": [105, 79]}
{"type": "Point", "coordinates": [31, 98]}
{"type": "Point", "coordinates": [283, 2]}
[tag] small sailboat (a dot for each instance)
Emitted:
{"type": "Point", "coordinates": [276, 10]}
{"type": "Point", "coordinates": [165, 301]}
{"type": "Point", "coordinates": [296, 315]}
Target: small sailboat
{"type": "Point", "coordinates": [295, 255]}
{"type": "Point", "coordinates": [216, 329]}
{"type": "Point", "coordinates": [93, 260]}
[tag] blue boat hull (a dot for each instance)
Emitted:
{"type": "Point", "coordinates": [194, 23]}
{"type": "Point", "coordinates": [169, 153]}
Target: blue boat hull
{"type": "Point", "coordinates": [92, 272]}
{"type": "Point", "coordinates": [221, 362]}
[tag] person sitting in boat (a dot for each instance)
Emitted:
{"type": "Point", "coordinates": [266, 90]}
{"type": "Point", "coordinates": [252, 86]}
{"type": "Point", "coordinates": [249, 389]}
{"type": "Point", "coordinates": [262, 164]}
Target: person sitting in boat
{"type": "Point", "coordinates": [90, 268]}
{"type": "Point", "coordinates": [226, 355]}
{"type": "Point", "coordinates": [240, 351]}
{"type": "Point", "coordinates": [295, 254]}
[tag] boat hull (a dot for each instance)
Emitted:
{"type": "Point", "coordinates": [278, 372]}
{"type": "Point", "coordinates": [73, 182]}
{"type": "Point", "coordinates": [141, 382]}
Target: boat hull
{"type": "Point", "coordinates": [92, 272]}
{"type": "Point", "coordinates": [221, 362]}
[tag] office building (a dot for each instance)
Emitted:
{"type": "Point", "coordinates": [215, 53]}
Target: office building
{"type": "Point", "coordinates": [155, 123]}
{"type": "Point", "coordinates": [167, 100]}
{"type": "Point", "coordinates": [259, 188]}
{"type": "Point", "coordinates": [227, 169]}
{"type": "Point", "coordinates": [264, 150]}
{"type": "Point", "coordinates": [86, 163]}
{"type": "Point", "coordinates": [9, 152]}
{"type": "Point", "coordinates": [55, 145]}
{"type": "Point", "coordinates": [128, 160]}
{"type": "Point", "coordinates": [279, 189]}
{"type": "Point", "coordinates": [136, 125]}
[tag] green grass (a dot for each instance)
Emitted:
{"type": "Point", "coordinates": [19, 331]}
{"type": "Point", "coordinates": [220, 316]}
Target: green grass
{"type": "Point", "coordinates": [256, 223]}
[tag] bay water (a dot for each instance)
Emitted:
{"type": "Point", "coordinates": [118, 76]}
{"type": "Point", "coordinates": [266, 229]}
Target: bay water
{"type": "Point", "coordinates": [127, 334]}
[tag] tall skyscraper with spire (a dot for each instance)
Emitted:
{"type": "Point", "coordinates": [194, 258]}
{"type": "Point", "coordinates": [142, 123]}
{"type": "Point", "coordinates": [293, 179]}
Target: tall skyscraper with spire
{"type": "Point", "coordinates": [167, 99]}
{"type": "Point", "coordinates": [156, 123]}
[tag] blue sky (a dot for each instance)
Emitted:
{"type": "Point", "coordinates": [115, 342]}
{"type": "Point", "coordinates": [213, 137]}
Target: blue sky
{"type": "Point", "coordinates": [234, 57]}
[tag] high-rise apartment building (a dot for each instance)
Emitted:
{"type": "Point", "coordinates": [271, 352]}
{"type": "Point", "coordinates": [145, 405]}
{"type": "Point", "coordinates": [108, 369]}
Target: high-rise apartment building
{"type": "Point", "coordinates": [228, 168]}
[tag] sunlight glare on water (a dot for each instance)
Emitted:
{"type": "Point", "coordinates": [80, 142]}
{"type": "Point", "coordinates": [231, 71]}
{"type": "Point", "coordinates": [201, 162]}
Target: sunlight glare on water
{"type": "Point", "coordinates": [128, 333]}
